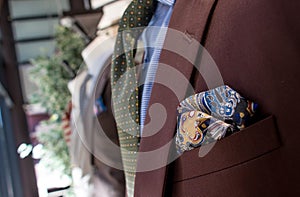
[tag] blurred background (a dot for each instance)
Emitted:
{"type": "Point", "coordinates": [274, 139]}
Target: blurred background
{"type": "Point", "coordinates": [41, 51]}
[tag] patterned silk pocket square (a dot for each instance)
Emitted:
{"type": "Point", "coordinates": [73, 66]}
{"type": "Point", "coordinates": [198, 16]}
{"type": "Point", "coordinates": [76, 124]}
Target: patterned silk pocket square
{"type": "Point", "coordinates": [209, 116]}
{"type": "Point", "coordinates": [196, 128]}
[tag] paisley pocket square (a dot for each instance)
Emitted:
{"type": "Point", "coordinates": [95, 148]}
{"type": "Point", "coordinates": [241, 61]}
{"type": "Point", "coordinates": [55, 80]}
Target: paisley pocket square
{"type": "Point", "coordinates": [211, 115]}
{"type": "Point", "coordinates": [196, 128]}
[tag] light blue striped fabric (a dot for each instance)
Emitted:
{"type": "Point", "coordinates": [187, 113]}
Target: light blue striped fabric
{"type": "Point", "coordinates": [153, 38]}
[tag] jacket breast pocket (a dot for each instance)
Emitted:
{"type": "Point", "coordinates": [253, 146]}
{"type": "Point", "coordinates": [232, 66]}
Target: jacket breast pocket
{"type": "Point", "coordinates": [250, 143]}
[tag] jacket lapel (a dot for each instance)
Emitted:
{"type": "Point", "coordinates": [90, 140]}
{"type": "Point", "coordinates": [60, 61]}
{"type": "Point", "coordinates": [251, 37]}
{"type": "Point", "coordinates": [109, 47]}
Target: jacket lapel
{"type": "Point", "coordinates": [188, 25]}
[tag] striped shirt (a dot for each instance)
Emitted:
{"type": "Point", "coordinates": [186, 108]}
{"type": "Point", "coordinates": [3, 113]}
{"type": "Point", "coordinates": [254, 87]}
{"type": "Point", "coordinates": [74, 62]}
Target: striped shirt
{"type": "Point", "coordinates": [153, 38]}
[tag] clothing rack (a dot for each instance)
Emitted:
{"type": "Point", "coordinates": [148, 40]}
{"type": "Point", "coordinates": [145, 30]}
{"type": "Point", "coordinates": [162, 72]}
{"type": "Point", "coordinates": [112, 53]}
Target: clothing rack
{"type": "Point", "coordinates": [88, 29]}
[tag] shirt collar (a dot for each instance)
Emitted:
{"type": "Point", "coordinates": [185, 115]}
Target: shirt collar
{"type": "Point", "coordinates": [167, 2]}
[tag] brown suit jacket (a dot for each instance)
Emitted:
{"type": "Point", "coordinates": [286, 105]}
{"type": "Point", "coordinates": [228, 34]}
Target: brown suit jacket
{"type": "Point", "coordinates": [107, 180]}
{"type": "Point", "coordinates": [255, 44]}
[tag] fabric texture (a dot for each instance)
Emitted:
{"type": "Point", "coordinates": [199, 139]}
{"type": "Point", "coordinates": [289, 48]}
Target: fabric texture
{"type": "Point", "coordinates": [80, 135]}
{"type": "Point", "coordinates": [192, 25]}
{"type": "Point", "coordinates": [265, 154]}
{"type": "Point", "coordinates": [125, 85]}
{"type": "Point", "coordinates": [223, 103]}
{"type": "Point", "coordinates": [210, 116]}
{"type": "Point", "coordinates": [92, 135]}
{"type": "Point", "coordinates": [196, 128]}
{"type": "Point", "coordinates": [82, 88]}
{"type": "Point", "coordinates": [153, 37]}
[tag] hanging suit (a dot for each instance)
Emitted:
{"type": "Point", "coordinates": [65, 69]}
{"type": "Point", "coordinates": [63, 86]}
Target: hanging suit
{"type": "Point", "coordinates": [94, 135]}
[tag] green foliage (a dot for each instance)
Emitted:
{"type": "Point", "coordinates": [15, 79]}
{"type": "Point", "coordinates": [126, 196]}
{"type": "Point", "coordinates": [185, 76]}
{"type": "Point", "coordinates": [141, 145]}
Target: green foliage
{"type": "Point", "coordinates": [49, 75]}
{"type": "Point", "coordinates": [69, 46]}
{"type": "Point", "coordinates": [56, 153]}
{"type": "Point", "coordinates": [52, 81]}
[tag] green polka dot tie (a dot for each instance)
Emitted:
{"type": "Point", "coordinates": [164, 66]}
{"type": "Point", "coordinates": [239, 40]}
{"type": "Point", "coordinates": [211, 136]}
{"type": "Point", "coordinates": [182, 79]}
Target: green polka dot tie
{"type": "Point", "coordinates": [124, 83]}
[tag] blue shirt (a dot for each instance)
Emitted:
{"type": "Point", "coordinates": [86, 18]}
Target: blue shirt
{"type": "Point", "coordinates": [153, 38]}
